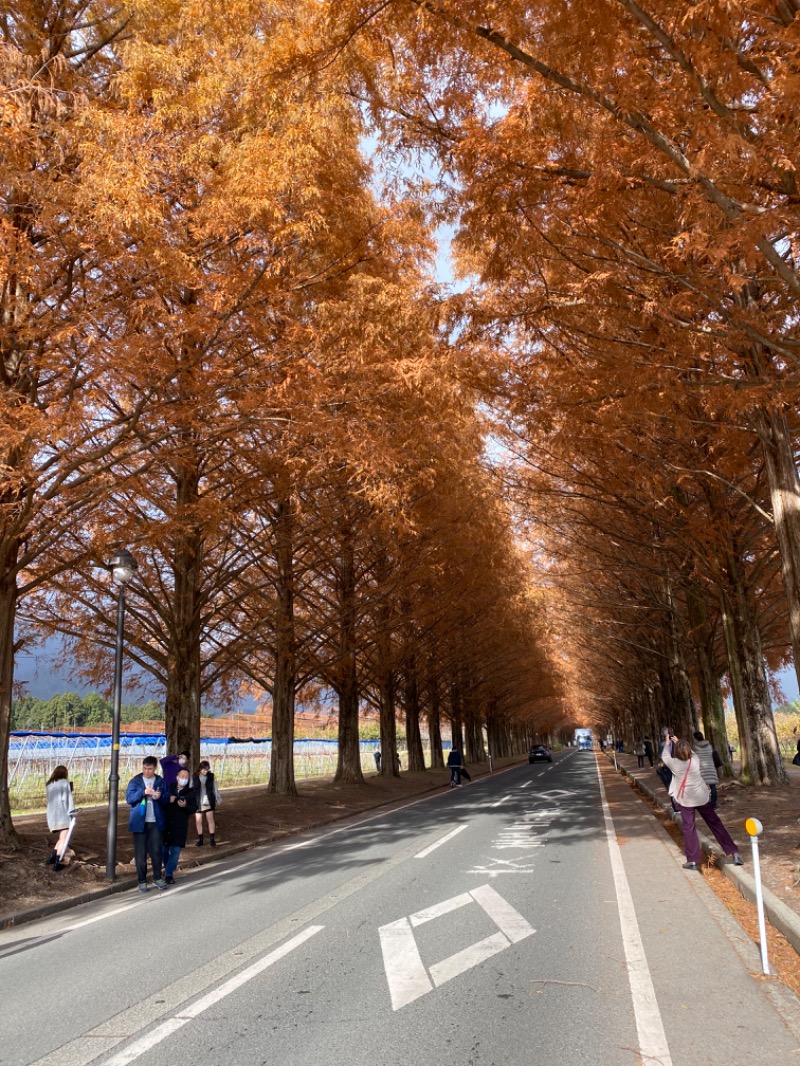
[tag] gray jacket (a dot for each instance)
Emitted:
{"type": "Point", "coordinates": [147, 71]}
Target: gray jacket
{"type": "Point", "coordinates": [705, 753]}
{"type": "Point", "coordinates": [59, 805]}
{"type": "Point", "coordinates": [695, 792]}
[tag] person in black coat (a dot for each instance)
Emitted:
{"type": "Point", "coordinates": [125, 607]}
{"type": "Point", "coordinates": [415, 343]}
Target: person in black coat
{"type": "Point", "coordinates": [181, 806]}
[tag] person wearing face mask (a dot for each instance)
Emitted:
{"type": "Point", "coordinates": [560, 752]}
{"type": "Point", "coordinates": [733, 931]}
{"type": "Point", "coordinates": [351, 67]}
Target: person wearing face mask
{"type": "Point", "coordinates": [146, 795]}
{"type": "Point", "coordinates": [208, 799]}
{"type": "Point", "coordinates": [182, 805]}
{"type": "Point", "coordinates": [171, 764]}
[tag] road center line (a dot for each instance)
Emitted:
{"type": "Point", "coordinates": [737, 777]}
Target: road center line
{"type": "Point", "coordinates": [437, 844]}
{"type": "Point", "coordinates": [171, 1025]}
{"type": "Point", "coordinates": [653, 1046]}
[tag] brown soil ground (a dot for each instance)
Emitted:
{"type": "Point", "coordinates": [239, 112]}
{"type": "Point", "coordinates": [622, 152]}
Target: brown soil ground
{"type": "Point", "coordinates": [247, 817]}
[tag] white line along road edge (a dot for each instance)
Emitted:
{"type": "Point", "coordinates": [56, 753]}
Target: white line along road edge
{"type": "Point", "coordinates": [171, 1025]}
{"type": "Point", "coordinates": [653, 1045]}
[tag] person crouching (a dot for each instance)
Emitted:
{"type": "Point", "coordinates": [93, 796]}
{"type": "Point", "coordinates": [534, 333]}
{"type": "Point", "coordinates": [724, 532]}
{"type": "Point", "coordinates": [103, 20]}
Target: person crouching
{"type": "Point", "coordinates": [181, 806]}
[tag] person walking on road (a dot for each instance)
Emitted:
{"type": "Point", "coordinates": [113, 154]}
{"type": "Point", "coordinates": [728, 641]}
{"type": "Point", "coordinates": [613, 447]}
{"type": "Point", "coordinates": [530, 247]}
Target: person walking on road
{"type": "Point", "coordinates": [182, 805]}
{"type": "Point", "coordinates": [690, 794]}
{"type": "Point", "coordinates": [455, 764]}
{"type": "Point", "coordinates": [709, 762]}
{"type": "Point", "coordinates": [207, 799]}
{"type": "Point", "coordinates": [649, 750]}
{"type": "Point", "coordinates": [60, 809]}
{"type": "Point", "coordinates": [146, 795]}
{"type": "Point", "coordinates": [639, 752]}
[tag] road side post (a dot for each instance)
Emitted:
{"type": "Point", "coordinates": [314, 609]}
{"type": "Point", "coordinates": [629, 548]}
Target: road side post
{"type": "Point", "coordinates": [754, 829]}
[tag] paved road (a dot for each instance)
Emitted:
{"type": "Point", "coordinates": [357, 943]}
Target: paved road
{"type": "Point", "coordinates": [531, 917]}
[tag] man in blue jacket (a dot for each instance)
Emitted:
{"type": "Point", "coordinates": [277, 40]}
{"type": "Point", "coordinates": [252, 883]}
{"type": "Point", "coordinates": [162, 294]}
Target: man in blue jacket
{"type": "Point", "coordinates": [147, 795]}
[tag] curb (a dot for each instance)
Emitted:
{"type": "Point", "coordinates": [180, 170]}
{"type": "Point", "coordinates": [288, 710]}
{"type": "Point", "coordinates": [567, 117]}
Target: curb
{"type": "Point", "coordinates": [45, 910]}
{"type": "Point", "coordinates": [781, 917]}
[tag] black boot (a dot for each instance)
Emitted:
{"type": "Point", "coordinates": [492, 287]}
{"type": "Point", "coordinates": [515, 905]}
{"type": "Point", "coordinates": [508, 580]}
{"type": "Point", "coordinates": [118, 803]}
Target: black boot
{"type": "Point", "coordinates": [199, 842]}
{"type": "Point", "coordinates": [212, 841]}
{"type": "Point", "coordinates": [53, 858]}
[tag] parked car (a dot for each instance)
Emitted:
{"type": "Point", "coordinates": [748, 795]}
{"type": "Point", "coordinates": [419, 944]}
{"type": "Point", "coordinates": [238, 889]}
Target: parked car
{"type": "Point", "coordinates": [539, 753]}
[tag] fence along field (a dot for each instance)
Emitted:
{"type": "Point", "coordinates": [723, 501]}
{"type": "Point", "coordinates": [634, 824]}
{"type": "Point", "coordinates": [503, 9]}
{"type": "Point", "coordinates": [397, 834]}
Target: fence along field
{"type": "Point", "coordinates": [32, 757]}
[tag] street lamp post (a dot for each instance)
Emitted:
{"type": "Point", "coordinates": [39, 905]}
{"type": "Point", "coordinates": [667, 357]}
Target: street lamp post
{"type": "Point", "coordinates": [122, 567]}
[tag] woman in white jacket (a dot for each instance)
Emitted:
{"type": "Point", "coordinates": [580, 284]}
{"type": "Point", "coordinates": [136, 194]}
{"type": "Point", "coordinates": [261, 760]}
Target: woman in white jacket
{"type": "Point", "coordinates": [691, 793]}
{"type": "Point", "coordinates": [60, 809]}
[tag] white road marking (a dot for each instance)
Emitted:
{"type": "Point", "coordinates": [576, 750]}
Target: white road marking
{"type": "Point", "coordinates": [505, 917]}
{"type": "Point", "coordinates": [441, 972]}
{"type": "Point", "coordinates": [525, 785]}
{"type": "Point", "coordinates": [653, 1046]}
{"type": "Point", "coordinates": [421, 917]}
{"type": "Point", "coordinates": [171, 1025]}
{"type": "Point", "coordinates": [443, 840]}
{"type": "Point", "coordinates": [498, 802]}
{"type": "Point", "coordinates": [522, 865]}
{"type": "Point", "coordinates": [405, 972]}
{"type": "Point", "coordinates": [406, 975]}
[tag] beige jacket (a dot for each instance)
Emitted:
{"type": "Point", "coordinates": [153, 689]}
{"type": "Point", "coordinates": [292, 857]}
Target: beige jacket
{"type": "Point", "coordinates": [697, 792]}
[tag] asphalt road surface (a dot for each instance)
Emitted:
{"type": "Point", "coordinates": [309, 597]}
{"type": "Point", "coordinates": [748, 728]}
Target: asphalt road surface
{"type": "Point", "coordinates": [534, 916]}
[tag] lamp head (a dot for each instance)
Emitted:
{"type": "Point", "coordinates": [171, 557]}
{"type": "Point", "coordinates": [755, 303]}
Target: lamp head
{"type": "Point", "coordinates": [122, 566]}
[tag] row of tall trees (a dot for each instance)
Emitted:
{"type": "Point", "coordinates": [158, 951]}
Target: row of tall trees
{"type": "Point", "coordinates": [624, 187]}
{"type": "Point", "coordinates": [218, 348]}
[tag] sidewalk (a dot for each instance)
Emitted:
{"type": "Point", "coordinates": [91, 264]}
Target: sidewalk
{"type": "Point", "coordinates": [779, 846]}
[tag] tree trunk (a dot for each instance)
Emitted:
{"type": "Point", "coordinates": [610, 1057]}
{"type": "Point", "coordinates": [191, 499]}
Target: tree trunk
{"type": "Point", "coordinates": [758, 742]}
{"type": "Point", "coordinates": [683, 709]}
{"type": "Point", "coordinates": [475, 748]}
{"type": "Point", "coordinates": [708, 681]}
{"type": "Point", "coordinates": [434, 725]}
{"type": "Point", "coordinates": [416, 756]}
{"type": "Point", "coordinates": [8, 610]}
{"type": "Point", "coordinates": [182, 706]}
{"type": "Point", "coordinates": [388, 715]}
{"type": "Point", "coordinates": [784, 487]}
{"type": "Point", "coordinates": [348, 765]}
{"type": "Point", "coordinates": [281, 771]}
{"type": "Point", "coordinates": [456, 727]}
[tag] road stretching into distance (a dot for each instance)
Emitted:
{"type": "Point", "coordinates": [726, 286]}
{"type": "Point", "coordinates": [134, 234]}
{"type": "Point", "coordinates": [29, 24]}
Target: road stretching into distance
{"type": "Point", "coordinates": [539, 915]}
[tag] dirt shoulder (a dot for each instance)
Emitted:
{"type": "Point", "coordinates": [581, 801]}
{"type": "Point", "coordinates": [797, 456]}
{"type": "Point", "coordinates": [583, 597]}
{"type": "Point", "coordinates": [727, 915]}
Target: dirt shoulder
{"type": "Point", "coordinates": [247, 817]}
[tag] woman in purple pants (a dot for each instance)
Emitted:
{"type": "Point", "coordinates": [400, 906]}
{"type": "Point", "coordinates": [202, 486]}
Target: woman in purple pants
{"type": "Point", "coordinates": [691, 794]}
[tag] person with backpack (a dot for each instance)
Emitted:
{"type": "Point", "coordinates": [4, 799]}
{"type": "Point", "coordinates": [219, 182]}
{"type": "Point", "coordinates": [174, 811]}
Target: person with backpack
{"type": "Point", "coordinates": [709, 762]}
{"type": "Point", "coordinates": [690, 794]}
{"type": "Point", "coordinates": [207, 799]}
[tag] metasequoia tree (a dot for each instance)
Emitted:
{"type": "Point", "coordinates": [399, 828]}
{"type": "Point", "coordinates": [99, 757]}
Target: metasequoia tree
{"type": "Point", "coordinates": [576, 128]}
{"type": "Point", "coordinates": [248, 208]}
{"type": "Point", "coordinates": [70, 390]}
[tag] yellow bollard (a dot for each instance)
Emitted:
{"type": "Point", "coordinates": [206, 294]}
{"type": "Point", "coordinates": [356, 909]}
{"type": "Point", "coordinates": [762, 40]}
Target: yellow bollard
{"type": "Point", "coordinates": [754, 830]}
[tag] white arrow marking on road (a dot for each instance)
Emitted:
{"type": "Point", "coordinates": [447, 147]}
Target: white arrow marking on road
{"type": "Point", "coordinates": [405, 972]}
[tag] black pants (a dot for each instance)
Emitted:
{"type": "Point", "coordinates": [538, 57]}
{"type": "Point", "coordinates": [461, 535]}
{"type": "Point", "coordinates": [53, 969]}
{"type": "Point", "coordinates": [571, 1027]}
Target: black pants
{"type": "Point", "coordinates": [144, 844]}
